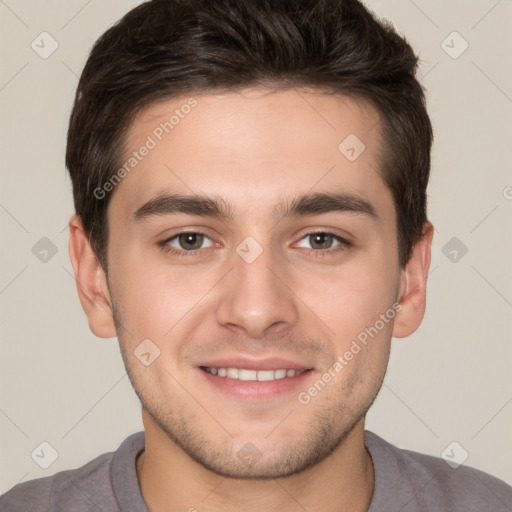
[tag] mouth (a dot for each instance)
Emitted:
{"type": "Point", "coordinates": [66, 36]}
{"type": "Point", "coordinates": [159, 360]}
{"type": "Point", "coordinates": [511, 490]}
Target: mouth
{"type": "Point", "coordinates": [245, 374]}
{"type": "Point", "coordinates": [255, 380]}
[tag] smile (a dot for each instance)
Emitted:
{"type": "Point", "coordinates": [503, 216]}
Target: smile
{"type": "Point", "coordinates": [252, 375]}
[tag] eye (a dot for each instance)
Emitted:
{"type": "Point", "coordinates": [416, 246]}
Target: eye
{"type": "Point", "coordinates": [323, 241]}
{"type": "Point", "coordinates": [190, 243]}
{"type": "Point", "coordinates": [187, 242]}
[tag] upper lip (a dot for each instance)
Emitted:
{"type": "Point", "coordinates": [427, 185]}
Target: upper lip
{"type": "Point", "coordinates": [273, 363]}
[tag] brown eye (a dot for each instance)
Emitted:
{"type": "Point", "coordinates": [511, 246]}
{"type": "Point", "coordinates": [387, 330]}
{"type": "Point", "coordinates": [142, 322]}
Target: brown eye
{"type": "Point", "coordinates": [188, 241]}
{"type": "Point", "coordinates": [323, 241]}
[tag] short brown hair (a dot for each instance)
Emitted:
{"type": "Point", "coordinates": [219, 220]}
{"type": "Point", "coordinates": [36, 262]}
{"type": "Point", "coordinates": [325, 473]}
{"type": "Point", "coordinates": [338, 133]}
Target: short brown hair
{"type": "Point", "coordinates": [167, 48]}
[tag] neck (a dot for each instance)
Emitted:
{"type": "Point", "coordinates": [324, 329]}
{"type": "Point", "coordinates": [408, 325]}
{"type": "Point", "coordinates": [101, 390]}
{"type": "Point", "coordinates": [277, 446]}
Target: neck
{"type": "Point", "coordinates": [168, 477]}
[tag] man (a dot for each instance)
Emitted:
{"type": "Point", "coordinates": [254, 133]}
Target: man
{"type": "Point", "coordinates": [249, 182]}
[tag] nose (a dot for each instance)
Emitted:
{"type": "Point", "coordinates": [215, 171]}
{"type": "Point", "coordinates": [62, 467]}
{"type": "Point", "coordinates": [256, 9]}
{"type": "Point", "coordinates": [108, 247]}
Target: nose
{"type": "Point", "coordinates": [256, 298]}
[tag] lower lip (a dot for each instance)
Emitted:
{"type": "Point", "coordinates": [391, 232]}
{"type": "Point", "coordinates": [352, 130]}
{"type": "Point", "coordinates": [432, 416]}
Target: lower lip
{"type": "Point", "coordinates": [256, 390]}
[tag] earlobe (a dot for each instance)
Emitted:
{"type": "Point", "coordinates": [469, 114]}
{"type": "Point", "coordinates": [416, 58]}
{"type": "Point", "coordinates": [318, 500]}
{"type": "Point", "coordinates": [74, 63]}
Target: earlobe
{"type": "Point", "coordinates": [91, 281]}
{"type": "Point", "coordinates": [413, 286]}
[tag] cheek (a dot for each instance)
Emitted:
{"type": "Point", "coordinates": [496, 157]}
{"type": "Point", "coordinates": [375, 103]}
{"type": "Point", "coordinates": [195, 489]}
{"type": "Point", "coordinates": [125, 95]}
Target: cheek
{"type": "Point", "coordinates": [154, 298]}
{"type": "Point", "coordinates": [350, 300]}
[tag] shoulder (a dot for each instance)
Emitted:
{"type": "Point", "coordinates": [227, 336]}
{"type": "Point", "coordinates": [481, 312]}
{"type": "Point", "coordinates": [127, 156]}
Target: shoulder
{"type": "Point", "coordinates": [84, 489]}
{"type": "Point", "coordinates": [423, 482]}
{"type": "Point", "coordinates": [66, 487]}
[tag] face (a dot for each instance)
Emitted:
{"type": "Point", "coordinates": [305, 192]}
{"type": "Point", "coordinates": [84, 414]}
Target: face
{"type": "Point", "coordinates": [288, 262]}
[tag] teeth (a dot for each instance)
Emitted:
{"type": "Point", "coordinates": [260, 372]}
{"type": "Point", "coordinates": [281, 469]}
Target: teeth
{"type": "Point", "coordinates": [246, 374]}
{"type": "Point", "coordinates": [264, 375]}
{"type": "Point", "coordinates": [256, 375]}
{"type": "Point", "coordinates": [232, 373]}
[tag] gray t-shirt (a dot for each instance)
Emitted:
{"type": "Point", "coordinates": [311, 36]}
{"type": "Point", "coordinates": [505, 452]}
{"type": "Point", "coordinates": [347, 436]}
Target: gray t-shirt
{"type": "Point", "coordinates": [405, 481]}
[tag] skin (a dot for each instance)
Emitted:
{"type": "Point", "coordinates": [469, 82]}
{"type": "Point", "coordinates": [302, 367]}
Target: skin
{"type": "Point", "coordinates": [254, 148]}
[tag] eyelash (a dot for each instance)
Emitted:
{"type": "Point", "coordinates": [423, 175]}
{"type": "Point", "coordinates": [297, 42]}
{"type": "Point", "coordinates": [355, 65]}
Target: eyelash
{"type": "Point", "coordinates": [344, 244]}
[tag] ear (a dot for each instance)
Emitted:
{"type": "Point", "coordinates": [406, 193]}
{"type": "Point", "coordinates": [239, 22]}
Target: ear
{"type": "Point", "coordinates": [413, 286]}
{"type": "Point", "coordinates": [91, 281]}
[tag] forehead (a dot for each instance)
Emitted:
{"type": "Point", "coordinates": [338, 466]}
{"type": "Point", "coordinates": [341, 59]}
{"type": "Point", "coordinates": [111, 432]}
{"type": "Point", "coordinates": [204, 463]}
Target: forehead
{"type": "Point", "coordinates": [252, 147]}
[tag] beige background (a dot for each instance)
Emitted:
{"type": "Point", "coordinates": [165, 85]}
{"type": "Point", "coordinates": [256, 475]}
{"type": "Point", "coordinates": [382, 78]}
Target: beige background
{"type": "Point", "coordinates": [450, 381]}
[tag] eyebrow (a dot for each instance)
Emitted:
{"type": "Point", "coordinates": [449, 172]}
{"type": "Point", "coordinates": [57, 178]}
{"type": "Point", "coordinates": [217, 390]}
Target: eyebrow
{"type": "Point", "coordinates": [216, 207]}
